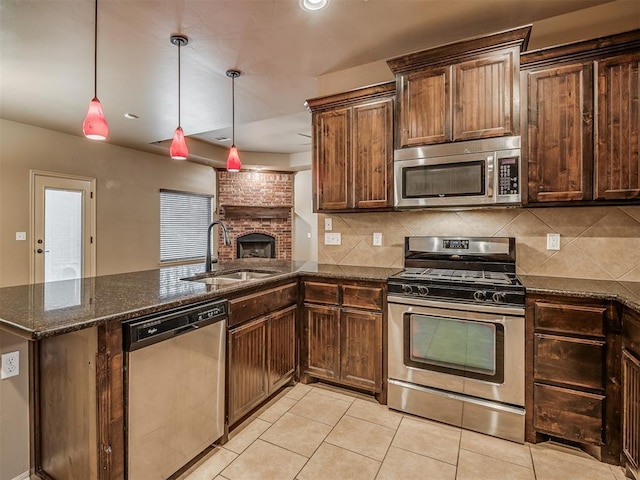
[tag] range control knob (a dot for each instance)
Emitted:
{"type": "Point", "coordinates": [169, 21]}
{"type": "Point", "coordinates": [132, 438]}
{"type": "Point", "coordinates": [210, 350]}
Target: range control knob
{"type": "Point", "coordinates": [423, 291]}
{"type": "Point", "coordinates": [408, 289]}
{"type": "Point", "coordinates": [480, 295]}
{"type": "Point", "coordinates": [498, 297]}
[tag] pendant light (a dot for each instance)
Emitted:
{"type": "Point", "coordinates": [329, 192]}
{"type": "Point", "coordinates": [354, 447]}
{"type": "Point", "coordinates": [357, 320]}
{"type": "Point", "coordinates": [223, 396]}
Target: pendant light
{"type": "Point", "coordinates": [178, 149]}
{"type": "Point", "coordinates": [233, 160]}
{"type": "Point", "coordinates": [95, 125]}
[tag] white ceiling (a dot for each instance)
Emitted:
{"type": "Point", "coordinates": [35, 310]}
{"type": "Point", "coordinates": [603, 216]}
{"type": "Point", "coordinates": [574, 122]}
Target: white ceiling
{"type": "Point", "coordinates": [46, 62]}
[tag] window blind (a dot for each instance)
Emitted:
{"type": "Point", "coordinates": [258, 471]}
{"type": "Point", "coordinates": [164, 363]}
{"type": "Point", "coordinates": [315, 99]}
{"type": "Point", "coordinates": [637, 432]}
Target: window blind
{"type": "Point", "coordinates": [184, 218]}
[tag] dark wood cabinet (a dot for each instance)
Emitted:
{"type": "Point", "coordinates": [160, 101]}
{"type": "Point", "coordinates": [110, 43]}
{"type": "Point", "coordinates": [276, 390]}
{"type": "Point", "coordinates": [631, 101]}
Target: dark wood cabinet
{"type": "Point", "coordinates": [631, 392]}
{"type": "Point", "coordinates": [572, 389]}
{"type": "Point", "coordinates": [353, 149]}
{"type": "Point", "coordinates": [582, 122]}
{"type": "Point", "coordinates": [342, 333]}
{"type": "Point", "coordinates": [462, 91]}
{"type": "Point", "coordinates": [618, 146]}
{"type": "Point", "coordinates": [261, 348]}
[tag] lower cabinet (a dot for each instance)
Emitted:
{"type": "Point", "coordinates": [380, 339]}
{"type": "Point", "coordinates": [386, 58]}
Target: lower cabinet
{"type": "Point", "coordinates": [574, 390]}
{"type": "Point", "coordinates": [342, 333]}
{"type": "Point", "coordinates": [261, 348]}
{"type": "Point", "coordinates": [631, 393]}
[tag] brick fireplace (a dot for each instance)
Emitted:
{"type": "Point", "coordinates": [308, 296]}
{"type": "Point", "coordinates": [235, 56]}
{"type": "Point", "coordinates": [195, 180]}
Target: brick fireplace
{"type": "Point", "coordinates": [256, 203]}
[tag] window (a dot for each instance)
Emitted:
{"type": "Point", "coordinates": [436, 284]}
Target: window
{"type": "Point", "coordinates": [184, 218]}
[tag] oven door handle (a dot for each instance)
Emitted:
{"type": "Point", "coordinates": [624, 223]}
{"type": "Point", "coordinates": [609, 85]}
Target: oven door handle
{"type": "Point", "coordinates": [475, 307]}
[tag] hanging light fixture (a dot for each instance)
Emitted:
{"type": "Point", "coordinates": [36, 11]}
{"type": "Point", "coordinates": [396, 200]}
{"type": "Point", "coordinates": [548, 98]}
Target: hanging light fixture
{"type": "Point", "coordinates": [178, 149]}
{"type": "Point", "coordinates": [95, 125]}
{"type": "Point", "coordinates": [233, 160]}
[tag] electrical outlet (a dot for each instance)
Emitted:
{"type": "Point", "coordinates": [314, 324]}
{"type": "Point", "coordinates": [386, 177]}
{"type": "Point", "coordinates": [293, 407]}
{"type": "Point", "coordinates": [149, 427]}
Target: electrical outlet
{"type": "Point", "coordinates": [21, 235]}
{"type": "Point", "coordinates": [377, 239]}
{"type": "Point", "coordinates": [333, 239]}
{"type": "Point", "coordinates": [328, 224]}
{"type": "Point", "coordinates": [10, 364]}
{"type": "Point", "coordinates": [553, 241]}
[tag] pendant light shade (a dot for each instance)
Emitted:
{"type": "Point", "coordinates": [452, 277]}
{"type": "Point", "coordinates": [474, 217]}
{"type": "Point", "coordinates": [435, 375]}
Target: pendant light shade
{"type": "Point", "coordinates": [233, 160]}
{"type": "Point", "coordinates": [95, 125]}
{"type": "Point", "coordinates": [178, 149]}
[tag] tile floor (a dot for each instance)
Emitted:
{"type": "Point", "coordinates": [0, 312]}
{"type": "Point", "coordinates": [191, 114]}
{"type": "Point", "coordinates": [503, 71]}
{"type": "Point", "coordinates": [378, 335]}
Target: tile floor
{"type": "Point", "coordinates": [323, 433]}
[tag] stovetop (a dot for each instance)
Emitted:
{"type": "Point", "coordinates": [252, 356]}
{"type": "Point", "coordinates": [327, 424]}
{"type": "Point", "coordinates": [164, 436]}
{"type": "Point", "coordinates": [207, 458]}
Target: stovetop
{"type": "Point", "coordinates": [469, 276]}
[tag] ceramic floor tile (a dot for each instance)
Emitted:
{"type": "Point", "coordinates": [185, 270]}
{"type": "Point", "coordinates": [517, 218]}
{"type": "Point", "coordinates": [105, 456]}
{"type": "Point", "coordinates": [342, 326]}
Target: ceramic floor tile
{"type": "Point", "coordinates": [264, 461]}
{"type": "Point", "coordinates": [374, 412]}
{"type": "Point", "coordinates": [405, 465]}
{"type": "Point", "coordinates": [248, 434]}
{"type": "Point", "coordinates": [361, 437]}
{"type": "Point", "coordinates": [475, 466]}
{"type": "Point", "coordinates": [215, 462]}
{"type": "Point", "coordinates": [618, 472]}
{"type": "Point", "coordinates": [275, 411]}
{"type": "Point", "coordinates": [299, 391]}
{"type": "Point", "coordinates": [335, 392]}
{"type": "Point", "coordinates": [298, 434]}
{"type": "Point", "coordinates": [497, 448]}
{"type": "Point", "coordinates": [320, 407]}
{"type": "Point", "coordinates": [553, 462]}
{"type": "Point", "coordinates": [428, 438]}
{"type": "Point", "coordinates": [330, 462]}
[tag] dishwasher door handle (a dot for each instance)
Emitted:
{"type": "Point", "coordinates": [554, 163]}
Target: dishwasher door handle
{"type": "Point", "coordinates": [187, 328]}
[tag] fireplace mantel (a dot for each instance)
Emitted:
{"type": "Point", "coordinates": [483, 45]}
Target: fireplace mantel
{"type": "Point", "coordinates": [256, 211]}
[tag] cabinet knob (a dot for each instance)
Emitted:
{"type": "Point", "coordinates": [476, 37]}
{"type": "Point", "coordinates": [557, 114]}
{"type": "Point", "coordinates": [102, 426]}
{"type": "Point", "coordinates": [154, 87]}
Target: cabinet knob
{"type": "Point", "coordinates": [587, 118]}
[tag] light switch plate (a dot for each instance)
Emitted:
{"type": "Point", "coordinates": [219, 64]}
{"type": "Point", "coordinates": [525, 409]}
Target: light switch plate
{"type": "Point", "coordinates": [333, 239]}
{"type": "Point", "coordinates": [377, 239]}
{"type": "Point", "coordinates": [553, 241]}
{"type": "Point", "coordinates": [21, 235]}
{"type": "Point", "coordinates": [328, 224]}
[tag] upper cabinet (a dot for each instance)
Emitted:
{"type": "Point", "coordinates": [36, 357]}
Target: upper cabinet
{"type": "Point", "coordinates": [353, 149]}
{"type": "Point", "coordinates": [462, 91]}
{"type": "Point", "coordinates": [582, 123]}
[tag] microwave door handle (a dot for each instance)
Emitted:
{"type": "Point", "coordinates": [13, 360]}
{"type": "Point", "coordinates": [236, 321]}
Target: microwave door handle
{"type": "Point", "coordinates": [490, 176]}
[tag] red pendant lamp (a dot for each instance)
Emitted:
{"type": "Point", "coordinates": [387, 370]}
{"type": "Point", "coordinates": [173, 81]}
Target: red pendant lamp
{"type": "Point", "coordinates": [233, 160]}
{"type": "Point", "coordinates": [178, 149]}
{"type": "Point", "coordinates": [95, 125]}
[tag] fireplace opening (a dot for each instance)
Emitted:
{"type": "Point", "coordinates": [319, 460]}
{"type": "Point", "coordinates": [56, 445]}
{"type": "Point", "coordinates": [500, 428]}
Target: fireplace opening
{"type": "Point", "coordinates": [256, 245]}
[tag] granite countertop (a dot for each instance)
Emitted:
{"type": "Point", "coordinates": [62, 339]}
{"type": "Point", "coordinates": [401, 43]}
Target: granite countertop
{"type": "Point", "coordinates": [627, 293]}
{"type": "Point", "coordinates": [47, 309]}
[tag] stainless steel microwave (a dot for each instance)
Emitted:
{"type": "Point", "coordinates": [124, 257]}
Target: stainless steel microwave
{"type": "Point", "coordinates": [472, 173]}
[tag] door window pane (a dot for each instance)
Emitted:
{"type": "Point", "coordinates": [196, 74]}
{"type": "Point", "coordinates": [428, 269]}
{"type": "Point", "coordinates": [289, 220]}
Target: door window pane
{"type": "Point", "coordinates": [63, 235]}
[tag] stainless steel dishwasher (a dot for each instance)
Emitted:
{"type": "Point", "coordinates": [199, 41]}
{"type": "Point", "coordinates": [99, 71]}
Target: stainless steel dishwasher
{"type": "Point", "coordinates": [174, 379]}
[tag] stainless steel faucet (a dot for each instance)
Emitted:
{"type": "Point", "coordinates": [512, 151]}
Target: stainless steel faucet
{"type": "Point", "coordinates": [225, 238]}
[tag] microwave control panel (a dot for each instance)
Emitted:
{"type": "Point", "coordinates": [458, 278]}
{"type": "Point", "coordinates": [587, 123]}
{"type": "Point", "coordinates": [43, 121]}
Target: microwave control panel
{"type": "Point", "coordinates": [508, 176]}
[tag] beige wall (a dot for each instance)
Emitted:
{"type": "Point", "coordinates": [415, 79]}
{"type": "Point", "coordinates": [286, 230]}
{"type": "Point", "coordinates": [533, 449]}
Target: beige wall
{"type": "Point", "coordinates": [128, 181]}
{"type": "Point", "coordinates": [305, 224]}
{"type": "Point", "coordinates": [595, 242]}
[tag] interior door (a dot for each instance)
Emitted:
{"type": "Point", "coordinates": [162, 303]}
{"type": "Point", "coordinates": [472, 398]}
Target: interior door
{"type": "Point", "coordinates": [63, 226]}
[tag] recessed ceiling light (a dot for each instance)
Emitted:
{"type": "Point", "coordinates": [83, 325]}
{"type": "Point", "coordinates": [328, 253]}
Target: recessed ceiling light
{"type": "Point", "coordinates": [221, 139]}
{"type": "Point", "coordinates": [131, 116]}
{"type": "Point", "coordinates": [313, 5]}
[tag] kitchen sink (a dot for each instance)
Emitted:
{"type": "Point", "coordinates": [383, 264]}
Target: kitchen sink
{"type": "Point", "coordinates": [228, 278]}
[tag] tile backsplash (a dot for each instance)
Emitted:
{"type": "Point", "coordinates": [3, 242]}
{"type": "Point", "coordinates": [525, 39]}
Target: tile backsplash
{"type": "Point", "coordinates": [595, 242]}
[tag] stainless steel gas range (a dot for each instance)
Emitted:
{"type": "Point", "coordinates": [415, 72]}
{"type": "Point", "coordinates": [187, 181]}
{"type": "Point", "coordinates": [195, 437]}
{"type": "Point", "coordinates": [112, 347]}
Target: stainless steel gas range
{"type": "Point", "coordinates": [456, 334]}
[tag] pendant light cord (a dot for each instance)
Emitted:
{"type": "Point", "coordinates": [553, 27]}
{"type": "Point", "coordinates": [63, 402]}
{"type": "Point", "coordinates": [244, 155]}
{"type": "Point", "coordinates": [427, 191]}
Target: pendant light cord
{"type": "Point", "coordinates": [179, 89]}
{"type": "Point", "coordinates": [233, 111]}
{"type": "Point", "coordinates": [95, 52]}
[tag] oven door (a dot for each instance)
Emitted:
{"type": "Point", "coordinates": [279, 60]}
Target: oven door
{"type": "Point", "coordinates": [475, 350]}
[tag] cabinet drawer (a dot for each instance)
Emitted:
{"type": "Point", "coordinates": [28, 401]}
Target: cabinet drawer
{"type": "Point", "coordinates": [362, 297]}
{"type": "Point", "coordinates": [267, 301]}
{"type": "Point", "coordinates": [571, 361]}
{"type": "Point", "coordinates": [578, 319]}
{"type": "Point", "coordinates": [568, 414]}
{"type": "Point", "coordinates": [315, 292]}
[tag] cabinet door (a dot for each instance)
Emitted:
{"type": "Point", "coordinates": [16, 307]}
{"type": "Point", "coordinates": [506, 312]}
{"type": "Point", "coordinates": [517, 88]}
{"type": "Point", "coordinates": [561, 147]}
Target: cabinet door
{"type": "Point", "coordinates": [247, 368]}
{"type": "Point", "coordinates": [372, 157]}
{"type": "Point", "coordinates": [631, 408]}
{"type": "Point", "coordinates": [332, 147]}
{"type": "Point", "coordinates": [361, 353]}
{"type": "Point", "coordinates": [425, 107]}
{"type": "Point", "coordinates": [560, 133]}
{"type": "Point", "coordinates": [282, 347]}
{"type": "Point", "coordinates": [618, 143]}
{"type": "Point", "coordinates": [483, 96]}
{"type": "Point", "coordinates": [322, 341]}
